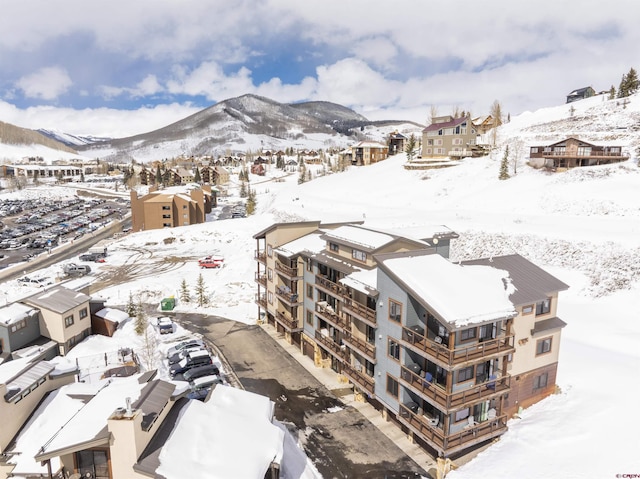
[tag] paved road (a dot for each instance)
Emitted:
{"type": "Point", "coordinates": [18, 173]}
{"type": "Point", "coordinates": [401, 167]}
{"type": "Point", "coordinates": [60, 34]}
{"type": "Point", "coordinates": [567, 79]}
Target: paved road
{"type": "Point", "coordinates": [341, 444]}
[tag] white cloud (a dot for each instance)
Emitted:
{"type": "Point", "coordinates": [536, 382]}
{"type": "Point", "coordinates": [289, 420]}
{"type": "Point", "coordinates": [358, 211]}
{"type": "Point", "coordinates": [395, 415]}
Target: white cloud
{"type": "Point", "coordinates": [47, 83]}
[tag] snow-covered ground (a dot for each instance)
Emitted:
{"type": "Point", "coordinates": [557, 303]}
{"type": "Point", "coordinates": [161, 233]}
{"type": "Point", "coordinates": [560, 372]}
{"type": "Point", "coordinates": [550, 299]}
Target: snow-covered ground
{"type": "Point", "coordinates": [582, 226]}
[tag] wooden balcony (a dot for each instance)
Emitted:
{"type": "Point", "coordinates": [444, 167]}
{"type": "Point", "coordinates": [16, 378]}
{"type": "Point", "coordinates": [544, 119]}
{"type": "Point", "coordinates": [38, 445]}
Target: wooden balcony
{"type": "Point", "coordinates": [450, 444]}
{"type": "Point", "coordinates": [451, 401]}
{"type": "Point", "coordinates": [329, 315]}
{"type": "Point", "coordinates": [364, 347]}
{"type": "Point", "coordinates": [261, 300]}
{"type": "Point", "coordinates": [359, 311]}
{"type": "Point", "coordinates": [261, 279]}
{"type": "Point", "coordinates": [287, 296]}
{"type": "Point", "coordinates": [462, 354]}
{"type": "Point", "coordinates": [330, 287]}
{"type": "Point", "coordinates": [287, 271]}
{"type": "Point", "coordinates": [288, 322]}
{"type": "Point", "coordinates": [260, 256]}
{"type": "Point", "coordinates": [359, 378]}
{"type": "Point", "coordinates": [330, 345]}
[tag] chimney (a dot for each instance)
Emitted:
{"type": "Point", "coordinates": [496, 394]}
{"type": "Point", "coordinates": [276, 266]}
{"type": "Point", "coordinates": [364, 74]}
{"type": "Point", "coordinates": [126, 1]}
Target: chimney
{"type": "Point", "coordinates": [128, 402]}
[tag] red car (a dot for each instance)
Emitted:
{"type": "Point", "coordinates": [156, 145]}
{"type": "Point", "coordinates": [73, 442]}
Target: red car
{"type": "Point", "coordinates": [211, 262]}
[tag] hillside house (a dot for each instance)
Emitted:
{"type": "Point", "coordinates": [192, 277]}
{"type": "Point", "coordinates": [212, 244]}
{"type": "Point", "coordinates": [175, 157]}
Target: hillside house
{"type": "Point", "coordinates": [449, 137]}
{"type": "Point", "coordinates": [483, 124]}
{"type": "Point", "coordinates": [450, 355]}
{"type": "Point", "coordinates": [572, 153]}
{"type": "Point", "coordinates": [580, 94]}
{"type": "Point", "coordinates": [368, 152]}
{"type": "Point", "coordinates": [397, 143]}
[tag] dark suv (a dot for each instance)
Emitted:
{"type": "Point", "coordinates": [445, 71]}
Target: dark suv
{"type": "Point", "coordinates": [190, 361]}
{"type": "Point", "coordinates": [201, 371]}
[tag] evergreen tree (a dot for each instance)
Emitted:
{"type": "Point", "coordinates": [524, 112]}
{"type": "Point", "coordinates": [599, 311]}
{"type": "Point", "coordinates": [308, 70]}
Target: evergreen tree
{"type": "Point", "coordinates": [185, 297]}
{"type": "Point", "coordinates": [131, 307]}
{"type": "Point", "coordinates": [504, 165]}
{"type": "Point", "coordinates": [411, 147]}
{"type": "Point", "coordinates": [612, 92]}
{"type": "Point", "coordinates": [243, 189]}
{"type": "Point", "coordinates": [158, 175]}
{"type": "Point", "coordinates": [201, 291]}
{"type": "Point", "coordinates": [141, 321]}
{"type": "Point", "coordinates": [251, 202]}
{"type": "Point", "coordinates": [303, 174]}
{"type": "Point", "coordinates": [280, 162]}
{"type": "Point", "coordinates": [196, 177]}
{"type": "Point", "coordinates": [632, 82]}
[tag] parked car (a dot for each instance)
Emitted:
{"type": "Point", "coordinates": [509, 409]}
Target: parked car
{"type": "Point", "coordinates": [190, 361]}
{"type": "Point", "coordinates": [89, 257]}
{"type": "Point", "coordinates": [201, 386]}
{"type": "Point", "coordinates": [213, 261]}
{"type": "Point", "coordinates": [177, 357]}
{"type": "Point", "coordinates": [165, 325]}
{"type": "Point", "coordinates": [184, 344]}
{"type": "Point", "coordinates": [73, 269]}
{"type": "Point", "coordinates": [201, 371]}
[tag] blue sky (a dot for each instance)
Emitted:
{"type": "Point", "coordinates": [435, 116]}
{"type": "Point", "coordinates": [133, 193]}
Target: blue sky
{"type": "Point", "coordinates": [118, 68]}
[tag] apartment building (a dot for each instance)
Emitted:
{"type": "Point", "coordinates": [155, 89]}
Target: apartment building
{"type": "Point", "coordinates": [368, 152]}
{"type": "Point", "coordinates": [434, 345]}
{"type": "Point", "coordinates": [171, 207]}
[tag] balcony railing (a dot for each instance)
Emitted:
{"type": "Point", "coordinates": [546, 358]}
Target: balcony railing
{"type": "Point", "coordinates": [486, 349]}
{"type": "Point", "coordinates": [328, 314]}
{"type": "Point", "coordinates": [288, 322]}
{"type": "Point", "coordinates": [261, 300]}
{"type": "Point", "coordinates": [261, 279]}
{"type": "Point", "coordinates": [328, 285]}
{"type": "Point", "coordinates": [449, 401]}
{"type": "Point", "coordinates": [261, 256]}
{"type": "Point", "coordinates": [331, 346]}
{"type": "Point", "coordinates": [361, 345]}
{"type": "Point", "coordinates": [459, 441]}
{"type": "Point", "coordinates": [361, 379]}
{"type": "Point", "coordinates": [288, 271]}
{"type": "Point", "coordinates": [359, 311]}
{"type": "Point", "coordinates": [287, 296]}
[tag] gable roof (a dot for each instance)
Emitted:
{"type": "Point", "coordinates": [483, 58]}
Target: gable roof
{"type": "Point", "coordinates": [446, 124]}
{"type": "Point", "coordinates": [532, 283]}
{"type": "Point", "coordinates": [58, 299]}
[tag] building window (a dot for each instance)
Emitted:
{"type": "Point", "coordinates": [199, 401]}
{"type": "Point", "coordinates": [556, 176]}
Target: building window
{"type": "Point", "coordinates": [543, 346]}
{"type": "Point", "coordinates": [358, 255]}
{"type": "Point", "coordinates": [527, 310]}
{"type": "Point", "coordinates": [270, 297]}
{"type": "Point", "coordinates": [310, 291]}
{"type": "Point", "coordinates": [543, 307]}
{"type": "Point", "coordinates": [392, 386]}
{"type": "Point", "coordinates": [395, 311]}
{"type": "Point", "coordinates": [68, 321]}
{"type": "Point", "coordinates": [467, 334]}
{"type": "Point", "coordinates": [310, 317]}
{"type": "Point", "coordinates": [166, 225]}
{"type": "Point", "coordinates": [465, 374]}
{"type": "Point", "coordinates": [393, 349]}
{"type": "Point", "coordinates": [166, 216]}
{"type": "Point", "coordinates": [166, 208]}
{"type": "Point", "coordinates": [534, 149]}
{"type": "Point", "coordinates": [93, 463]}
{"type": "Point", "coordinates": [270, 274]}
{"type": "Point", "coordinates": [184, 207]}
{"type": "Point", "coordinates": [82, 313]}
{"type": "Point", "coordinates": [334, 247]}
{"type": "Point", "coordinates": [461, 415]}
{"type": "Point", "coordinates": [540, 382]}
{"type": "Point", "coordinates": [310, 265]}
{"type": "Point", "coordinates": [18, 326]}
{"type": "Point", "coordinates": [269, 251]}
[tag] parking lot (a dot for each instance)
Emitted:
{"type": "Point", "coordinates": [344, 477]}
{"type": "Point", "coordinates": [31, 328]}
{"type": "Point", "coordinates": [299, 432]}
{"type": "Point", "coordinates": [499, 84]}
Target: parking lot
{"type": "Point", "coordinates": [32, 226]}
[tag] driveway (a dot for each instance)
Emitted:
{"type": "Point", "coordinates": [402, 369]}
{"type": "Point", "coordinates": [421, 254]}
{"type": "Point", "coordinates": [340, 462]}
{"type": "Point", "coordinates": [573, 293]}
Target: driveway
{"type": "Point", "coordinates": [340, 441]}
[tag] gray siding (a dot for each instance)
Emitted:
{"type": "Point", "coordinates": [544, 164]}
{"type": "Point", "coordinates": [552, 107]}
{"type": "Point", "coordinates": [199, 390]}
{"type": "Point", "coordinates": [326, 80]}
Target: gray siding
{"type": "Point", "coordinates": [309, 303]}
{"type": "Point", "coordinates": [22, 337]}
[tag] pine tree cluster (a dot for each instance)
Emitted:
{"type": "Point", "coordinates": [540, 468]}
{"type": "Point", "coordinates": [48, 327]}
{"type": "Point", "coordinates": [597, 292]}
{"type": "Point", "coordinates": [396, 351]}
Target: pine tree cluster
{"type": "Point", "coordinates": [629, 84]}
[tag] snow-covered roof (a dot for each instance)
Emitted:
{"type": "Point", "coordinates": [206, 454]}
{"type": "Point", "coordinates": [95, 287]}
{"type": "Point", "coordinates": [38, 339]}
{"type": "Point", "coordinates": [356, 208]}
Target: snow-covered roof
{"type": "Point", "coordinates": [312, 243]}
{"type": "Point", "coordinates": [58, 299]}
{"type": "Point", "coordinates": [15, 312]}
{"type": "Point", "coordinates": [362, 280]}
{"type": "Point", "coordinates": [461, 295]}
{"type": "Point", "coordinates": [112, 314]}
{"type": "Point", "coordinates": [369, 144]}
{"type": "Point", "coordinates": [359, 236]}
{"type": "Point", "coordinates": [10, 369]}
{"type": "Point", "coordinates": [230, 435]}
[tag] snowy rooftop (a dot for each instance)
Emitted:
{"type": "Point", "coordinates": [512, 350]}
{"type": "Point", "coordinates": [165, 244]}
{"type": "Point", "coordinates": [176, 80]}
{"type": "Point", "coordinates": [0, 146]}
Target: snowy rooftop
{"type": "Point", "coordinates": [58, 299]}
{"type": "Point", "coordinates": [312, 243]}
{"type": "Point", "coordinates": [363, 280]}
{"type": "Point", "coordinates": [230, 435]}
{"type": "Point", "coordinates": [461, 295]}
{"type": "Point", "coordinates": [15, 312]}
{"type": "Point", "coordinates": [112, 314]}
{"type": "Point", "coordinates": [360, 236]}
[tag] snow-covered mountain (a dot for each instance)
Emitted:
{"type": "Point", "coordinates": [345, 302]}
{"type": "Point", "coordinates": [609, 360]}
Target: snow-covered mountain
{"type": "Point", "coordinates": [17, 142]}
{"type": "Point", "coordinates": [252, 122]}
{"type": "Point", "coordinates": [69, 139]}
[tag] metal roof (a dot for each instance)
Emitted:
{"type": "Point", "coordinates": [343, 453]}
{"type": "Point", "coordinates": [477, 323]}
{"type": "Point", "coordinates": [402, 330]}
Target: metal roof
{"type": "Point", "coordinates": [153, 398]}
{"type": "Point", "coordinates": [547, 325]}
{"type": "Point", "coordinates": [532, 283]}
{"type": "Point", "coordinates": [58, 299]}
{"type": "Point", "coordinates": [27, 378]}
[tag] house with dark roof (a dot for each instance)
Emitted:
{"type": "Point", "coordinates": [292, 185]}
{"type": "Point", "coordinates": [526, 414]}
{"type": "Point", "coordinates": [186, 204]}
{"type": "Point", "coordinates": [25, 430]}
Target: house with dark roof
{"type": "Point", "coordinates": [580, 94]}
{"type": "Point", "coordinates": [450, 137]}
{"type": "Point", "coordinates": [397, 143]}
{"type": "Point", "coordinates": [573, 153]}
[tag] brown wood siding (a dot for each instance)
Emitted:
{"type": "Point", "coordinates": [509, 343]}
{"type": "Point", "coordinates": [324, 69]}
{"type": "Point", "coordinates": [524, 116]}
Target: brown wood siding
{"type": "Point", "coordinates": [522, 393]}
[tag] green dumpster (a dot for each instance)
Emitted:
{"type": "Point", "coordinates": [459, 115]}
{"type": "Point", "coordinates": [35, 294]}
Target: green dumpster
{"type": "Point", "coordinates": [167, 304]}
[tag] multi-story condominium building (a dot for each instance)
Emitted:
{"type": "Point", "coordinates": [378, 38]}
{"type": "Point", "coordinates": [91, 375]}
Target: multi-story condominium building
{"type": "Point", "coordinates": [448, 136]}
{"type": "Point", "coordinates": [572, 153]}
{"type": "Point", "coordinates": [368, 152]}
{"type": "Point", "coordinates": [448, 351]}
{"type": "Point", "coordinates": [170, 207]}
